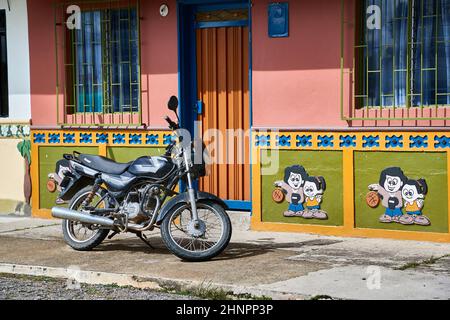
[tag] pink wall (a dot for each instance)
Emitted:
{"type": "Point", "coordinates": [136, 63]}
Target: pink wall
{"type": "Point", "coordinates": [296, 80]}
{"type": "Point", "coordinates": [42, 62]}
{"type": "Point", "coordinates": [159, 62]}
{"type": "Point", "coordinates": [299, 75]}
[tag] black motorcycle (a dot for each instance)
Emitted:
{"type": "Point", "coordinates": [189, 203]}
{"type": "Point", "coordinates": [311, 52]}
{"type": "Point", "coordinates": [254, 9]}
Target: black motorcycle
{"type": "Point", "coordinates": [107, 197]}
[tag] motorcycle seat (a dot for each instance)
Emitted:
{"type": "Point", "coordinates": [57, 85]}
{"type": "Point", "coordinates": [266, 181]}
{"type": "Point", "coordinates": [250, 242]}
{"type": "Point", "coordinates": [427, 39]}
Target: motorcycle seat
{"type": "Point", "coordinates": [104, 165]}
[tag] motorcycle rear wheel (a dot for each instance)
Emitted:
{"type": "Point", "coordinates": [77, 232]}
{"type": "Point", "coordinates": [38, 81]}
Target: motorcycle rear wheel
{"type": "Point", "coordinates": [177, 232]}
{"type": "Point", "coordinates": [71, 229]}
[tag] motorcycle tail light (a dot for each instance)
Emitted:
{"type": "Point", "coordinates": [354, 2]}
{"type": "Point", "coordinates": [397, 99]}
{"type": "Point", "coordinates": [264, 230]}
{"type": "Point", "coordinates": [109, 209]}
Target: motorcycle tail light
{"type": "Point", "coordinates": [51, 186]}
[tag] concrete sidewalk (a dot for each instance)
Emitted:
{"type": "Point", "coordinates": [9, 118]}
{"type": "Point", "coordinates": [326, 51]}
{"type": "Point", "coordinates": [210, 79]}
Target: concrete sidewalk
{"type": "Point", "coordinates": [279, 265]}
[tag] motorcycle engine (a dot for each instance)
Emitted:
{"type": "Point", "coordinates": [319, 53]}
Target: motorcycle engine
{"type": "Point", "coordinates": [135, 215]}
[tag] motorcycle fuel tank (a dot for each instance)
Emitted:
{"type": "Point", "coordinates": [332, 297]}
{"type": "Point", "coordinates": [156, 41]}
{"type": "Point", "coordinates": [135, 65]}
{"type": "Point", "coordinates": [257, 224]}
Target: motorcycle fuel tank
{"type": "Point", "coordinates": [152, 167]}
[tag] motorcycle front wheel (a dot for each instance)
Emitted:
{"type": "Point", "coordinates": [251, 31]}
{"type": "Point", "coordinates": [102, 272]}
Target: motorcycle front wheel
{"type": "Point", "coordinates": [200, 240]}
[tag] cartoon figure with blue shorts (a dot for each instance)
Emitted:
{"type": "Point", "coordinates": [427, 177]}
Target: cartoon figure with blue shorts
{"type": "Point", "coordinates": [389, 189]}
{"type": "Point", "coordinates": [292, 186]}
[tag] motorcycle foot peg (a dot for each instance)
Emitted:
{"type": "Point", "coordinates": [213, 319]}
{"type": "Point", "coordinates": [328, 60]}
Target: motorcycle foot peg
{"type": "Point", "coordinates": [60, 202]}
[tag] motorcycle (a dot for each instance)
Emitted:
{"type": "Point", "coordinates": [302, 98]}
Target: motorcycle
{"type": "Point", "coordinates": [108, 197]}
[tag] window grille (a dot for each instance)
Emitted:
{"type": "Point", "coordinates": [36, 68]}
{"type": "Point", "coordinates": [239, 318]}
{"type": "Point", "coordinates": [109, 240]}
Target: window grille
{"type": "Point", "coordinates": [404, 65]}
{"type": "Point", "coordinates": [101, 76]}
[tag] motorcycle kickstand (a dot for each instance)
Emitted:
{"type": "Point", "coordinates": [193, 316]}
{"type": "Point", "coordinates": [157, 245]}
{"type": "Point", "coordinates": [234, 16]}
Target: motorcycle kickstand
{"type": "Point", "coordinates": [112, 235]}
{"type": "Point", "coordinates": [144, 239]}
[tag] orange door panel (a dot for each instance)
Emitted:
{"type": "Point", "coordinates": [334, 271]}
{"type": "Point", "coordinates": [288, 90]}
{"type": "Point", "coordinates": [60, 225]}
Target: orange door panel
{"type": "Point", "coordinates": [223, 87]}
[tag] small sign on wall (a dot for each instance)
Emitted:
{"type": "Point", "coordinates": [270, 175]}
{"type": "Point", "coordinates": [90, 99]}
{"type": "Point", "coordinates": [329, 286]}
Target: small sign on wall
{"type": "Point", "coordinates": [279, 20]}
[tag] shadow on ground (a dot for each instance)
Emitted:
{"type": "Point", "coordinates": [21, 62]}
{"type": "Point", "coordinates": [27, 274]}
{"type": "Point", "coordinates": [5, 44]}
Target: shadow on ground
{"type": "Point", "coordinates": [233, 251]}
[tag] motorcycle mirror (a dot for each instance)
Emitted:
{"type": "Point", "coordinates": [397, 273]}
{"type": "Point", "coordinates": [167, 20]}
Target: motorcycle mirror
{"type": "Point", "coordinates": [173, 104]}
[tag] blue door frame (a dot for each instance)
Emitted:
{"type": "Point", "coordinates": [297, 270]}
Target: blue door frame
{"type": "Point", "coordinates": [187, 62]}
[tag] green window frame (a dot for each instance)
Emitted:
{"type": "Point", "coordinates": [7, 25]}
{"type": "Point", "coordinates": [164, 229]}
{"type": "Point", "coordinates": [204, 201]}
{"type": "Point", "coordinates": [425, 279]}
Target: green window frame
{"type": "Point", "coordinates": [101, 80]}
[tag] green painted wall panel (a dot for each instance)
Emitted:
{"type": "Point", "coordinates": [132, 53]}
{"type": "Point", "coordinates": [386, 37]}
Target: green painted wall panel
{"type": "Point", "coordinates": [328, 164]}
{"type": "Point", "coordinates": [48, 156]}
{"type": "Point", "coordinates": [124, 154]}
{"type": "Point", "coordinates": [430, 166]}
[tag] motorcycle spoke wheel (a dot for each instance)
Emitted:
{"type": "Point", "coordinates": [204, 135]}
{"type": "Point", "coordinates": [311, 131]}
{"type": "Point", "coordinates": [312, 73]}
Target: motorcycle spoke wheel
{"type": "Point", "coordinates": [209, 238]}
{"type": "Point", "coordinates": [81, 233]}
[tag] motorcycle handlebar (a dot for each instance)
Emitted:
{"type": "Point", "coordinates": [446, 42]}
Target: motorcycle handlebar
{"type": "Point", "coordinates": [172, 124]}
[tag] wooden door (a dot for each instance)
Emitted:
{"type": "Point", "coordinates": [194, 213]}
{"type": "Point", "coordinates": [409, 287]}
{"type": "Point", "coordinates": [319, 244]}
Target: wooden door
{"type": "Point", "coordinates": [223, 88]}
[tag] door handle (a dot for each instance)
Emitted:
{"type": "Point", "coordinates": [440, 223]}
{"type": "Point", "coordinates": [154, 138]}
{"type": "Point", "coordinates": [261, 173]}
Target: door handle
{"type": "Point", "coordinates": [198, 109]}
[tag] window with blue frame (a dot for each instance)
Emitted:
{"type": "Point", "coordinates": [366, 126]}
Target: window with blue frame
{"type": "Point", "coordinates": [103, 67]}
{"type": "Point", "coordinates": [406, 62]}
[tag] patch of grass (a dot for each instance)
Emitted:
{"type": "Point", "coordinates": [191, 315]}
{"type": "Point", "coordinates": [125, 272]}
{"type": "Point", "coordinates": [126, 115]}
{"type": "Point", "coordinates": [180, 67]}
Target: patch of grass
{"type": "Point", "coordinates": [427, 262]}
{"type": "Point", "coordinates": [91, 290]}
{"type": "Point", "coordinates": [206, 292]}
{"type": "Point", "coordinates": [409, 265]}
{"type": "Point", "coordinates": [113, 286]}
{"type": "Point", "coordinates": [248, 296]}
{"type": "Point", "coordinates": [321, 297]}
{"type": "Point", "coordinates": [29, 278]}
{"type": "Point", "coordinates": [209, 292]}
{"type": "Point", "coordinates": [212, 293]}
{"type": "Point", "coordinates": [432, 260]}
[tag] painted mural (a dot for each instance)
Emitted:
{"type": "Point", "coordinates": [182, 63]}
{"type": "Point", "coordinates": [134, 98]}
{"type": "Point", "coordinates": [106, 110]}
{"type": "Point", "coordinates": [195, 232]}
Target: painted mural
{"type": "Point", "coordinates": [18, 131]}
{"type": "Point", "coordinates": [402, 198]}
{"type": "Point", "coordinates": [303, 192]}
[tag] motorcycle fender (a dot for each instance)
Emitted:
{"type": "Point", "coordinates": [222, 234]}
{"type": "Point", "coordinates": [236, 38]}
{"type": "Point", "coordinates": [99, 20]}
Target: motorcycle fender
{"type": "Point", "coordinates": [76, 184]}
{"type": "Point", "coordinates": [184, 198]}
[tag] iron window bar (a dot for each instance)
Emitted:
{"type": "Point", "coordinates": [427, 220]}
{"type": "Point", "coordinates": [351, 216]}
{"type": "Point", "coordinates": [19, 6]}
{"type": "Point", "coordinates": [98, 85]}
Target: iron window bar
{"type": "Point", "coordinates": [360, 72]}
{"type": "Point", "coordinates": [115, 81]}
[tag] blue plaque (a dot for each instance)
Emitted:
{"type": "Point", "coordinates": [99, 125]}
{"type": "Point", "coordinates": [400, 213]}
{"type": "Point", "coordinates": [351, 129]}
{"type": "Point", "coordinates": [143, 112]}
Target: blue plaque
{"type": "Point", "coordinates": [279, 20]}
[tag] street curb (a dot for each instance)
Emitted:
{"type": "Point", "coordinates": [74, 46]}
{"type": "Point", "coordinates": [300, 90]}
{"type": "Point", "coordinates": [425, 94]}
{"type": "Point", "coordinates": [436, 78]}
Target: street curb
{"type": "Point", "coordinates": [128, 280]}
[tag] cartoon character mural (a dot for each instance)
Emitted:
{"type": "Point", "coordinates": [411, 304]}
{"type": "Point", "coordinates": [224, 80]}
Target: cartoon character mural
{"type": "Point", "coordinates": [389, 190]}
{"type": "Point", "coordinates": [313, 190]}
{"type": "Point", "coordinates": [304, 193]}
{"type": "Point", "coordinates": [292, 186]}
{"type": "Point", "coordinates": [413, 193]}
{"type": "Point", "coordinates": [396, 193]}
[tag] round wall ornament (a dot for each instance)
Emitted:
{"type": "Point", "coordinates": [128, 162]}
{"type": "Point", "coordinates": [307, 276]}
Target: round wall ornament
{"type": "Point", "coordinates": [164, 10]}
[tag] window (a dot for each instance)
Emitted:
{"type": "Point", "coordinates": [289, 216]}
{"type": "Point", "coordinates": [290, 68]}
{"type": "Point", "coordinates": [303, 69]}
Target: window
{"type": "Point", "coordinates": [102, 63]}
{"type": "Point", "coordinates": [406, 62]}
{"type": "Point", "coordinates": [4, 109]}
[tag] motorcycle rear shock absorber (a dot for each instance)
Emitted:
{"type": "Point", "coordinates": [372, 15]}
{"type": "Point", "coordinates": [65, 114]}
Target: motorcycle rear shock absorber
{"type": "Point", "coordinates": [97, 184]}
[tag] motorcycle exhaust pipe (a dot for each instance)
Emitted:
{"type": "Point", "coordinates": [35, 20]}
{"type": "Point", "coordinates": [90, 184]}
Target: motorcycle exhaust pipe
{"type": "Point", "coordinates": [72, 215]}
